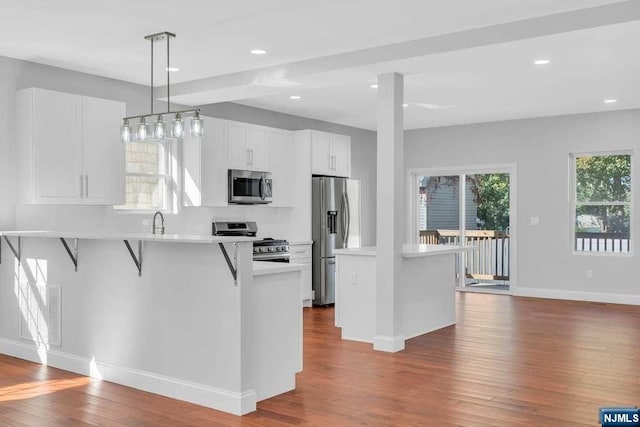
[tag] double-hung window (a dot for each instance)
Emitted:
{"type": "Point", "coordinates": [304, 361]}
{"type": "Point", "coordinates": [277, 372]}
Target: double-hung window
{"type": "Point", "coordinates": [602, 202]}
{"type": "Point", "coordinates": [149, 183]}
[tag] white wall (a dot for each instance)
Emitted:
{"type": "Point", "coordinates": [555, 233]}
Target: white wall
{"type": "Point", "coordinates": [9, 70]}
{"type": "Point", "coordinates": [540, 148]}
{"type": "Point", "coordinates": [16, 74]}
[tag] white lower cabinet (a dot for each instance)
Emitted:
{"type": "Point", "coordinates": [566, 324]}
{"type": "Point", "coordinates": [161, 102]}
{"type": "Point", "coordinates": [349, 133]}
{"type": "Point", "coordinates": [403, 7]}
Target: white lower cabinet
{"type": "Point", "coordinates": [300, 253]}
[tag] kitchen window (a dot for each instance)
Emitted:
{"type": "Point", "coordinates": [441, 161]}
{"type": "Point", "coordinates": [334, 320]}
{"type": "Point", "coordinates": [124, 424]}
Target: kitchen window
{"type": "Point", "coordinates": [601, 199]}
{"type": "Point", "coordinates": [150, 181]}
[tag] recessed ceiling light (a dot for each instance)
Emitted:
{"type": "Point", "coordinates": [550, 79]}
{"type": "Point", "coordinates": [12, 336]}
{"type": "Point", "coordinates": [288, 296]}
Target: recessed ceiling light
{"type": "Point", "coordinates": [172, 69]}
{"type": "Point", "coordinates": [258, 51]}
{"type": "Point", "coordinates": [405, 105]}
{"type": "Point", "coordinates": [542, 62]}
{"type": "Point", "coordinates": [296, 97]}
{"type": "Point", "coordinates": [610, 101]}
{"type": "Point", "coordinates": [374, 86]}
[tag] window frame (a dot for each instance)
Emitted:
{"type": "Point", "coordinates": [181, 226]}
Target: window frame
{"type": "Point", "coordinates": [573, 202]}
{"type": "Point", "coordinates": [172, 193]}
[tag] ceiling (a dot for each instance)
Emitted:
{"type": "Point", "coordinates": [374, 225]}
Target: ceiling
{"type": "Point", "coordinates": [329, 51]}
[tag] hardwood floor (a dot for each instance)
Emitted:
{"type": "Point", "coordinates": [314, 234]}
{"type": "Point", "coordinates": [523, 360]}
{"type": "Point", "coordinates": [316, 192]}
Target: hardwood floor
{"type": "Point", "coordinates": [508, 362]}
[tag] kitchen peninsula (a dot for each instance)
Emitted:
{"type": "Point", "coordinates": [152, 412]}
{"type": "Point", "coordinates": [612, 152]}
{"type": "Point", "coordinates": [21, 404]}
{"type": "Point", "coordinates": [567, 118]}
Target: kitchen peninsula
{"type": "Point", "coordinates": [427, 290]}
{"type": "Point", "coordinates": [168, 314]}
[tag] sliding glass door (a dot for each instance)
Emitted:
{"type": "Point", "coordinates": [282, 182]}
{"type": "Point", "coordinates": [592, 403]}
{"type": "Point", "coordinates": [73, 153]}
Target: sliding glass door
{"type": "Point", "coordinates": [473, 209]}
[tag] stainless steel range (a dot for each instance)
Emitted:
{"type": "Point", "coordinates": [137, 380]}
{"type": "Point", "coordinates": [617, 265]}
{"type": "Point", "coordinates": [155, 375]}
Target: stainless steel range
{"type": "Point", "coordinates": [271, 250]}
{"type": "Point", "coordinates": [268, 249]}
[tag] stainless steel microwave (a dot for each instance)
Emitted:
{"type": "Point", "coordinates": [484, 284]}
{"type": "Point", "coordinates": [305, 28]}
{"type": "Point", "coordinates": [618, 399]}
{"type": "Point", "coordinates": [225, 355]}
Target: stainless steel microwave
{"type": "Point", "coordinates": [250, 187]}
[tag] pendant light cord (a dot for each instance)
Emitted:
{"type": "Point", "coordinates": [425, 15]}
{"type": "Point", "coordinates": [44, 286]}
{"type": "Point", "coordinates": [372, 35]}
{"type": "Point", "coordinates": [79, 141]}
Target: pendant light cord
{"type": "Point", "coordinates": [151, 76]}
{"type": "Point", "coordinates": [168, 73]}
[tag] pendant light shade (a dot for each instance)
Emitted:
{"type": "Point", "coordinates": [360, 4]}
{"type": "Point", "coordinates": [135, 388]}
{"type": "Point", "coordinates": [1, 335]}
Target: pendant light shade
{"type": "Point", "coordinates": [158, 129]}
{"type": "Point", "coordinates": [125, 131]}
{"type": "Point", "coordinates": [177, 130]}
{"type": "Point", "coordinates": [143, 130]}
{"type": "Point", "coordinates": [197, 125]}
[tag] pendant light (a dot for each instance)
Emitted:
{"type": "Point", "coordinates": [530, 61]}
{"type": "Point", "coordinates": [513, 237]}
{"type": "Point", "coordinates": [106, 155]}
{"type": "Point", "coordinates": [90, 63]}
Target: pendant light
{"type": "Point", "coordinates": [177, 129]}
{"type": "Point", "coordinates": [197, 125]}
{"type": "Point", "coordinates": [125, 131]}
{"type": "Point", "coordinates": [143, 129]}
{"type": "Point", "coordinates": [159, 130]}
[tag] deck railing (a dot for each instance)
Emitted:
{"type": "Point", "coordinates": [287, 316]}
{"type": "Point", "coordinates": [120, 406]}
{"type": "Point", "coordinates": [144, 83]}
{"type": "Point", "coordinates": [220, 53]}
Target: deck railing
{"type": "Point", "coordinates": [602, 242]}
{"type": "Point", "coordinates": [490, 260]}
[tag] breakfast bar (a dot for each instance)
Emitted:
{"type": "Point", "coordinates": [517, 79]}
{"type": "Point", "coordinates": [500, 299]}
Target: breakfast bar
{"type": "Point", "coordinates": [190, 317]}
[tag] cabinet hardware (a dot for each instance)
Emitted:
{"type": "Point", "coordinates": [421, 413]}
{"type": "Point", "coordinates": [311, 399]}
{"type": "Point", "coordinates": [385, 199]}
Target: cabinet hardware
{"type": "Point", "coordinates": [81, 186]}
{"type": "Point", "coordinates": [86, 186]}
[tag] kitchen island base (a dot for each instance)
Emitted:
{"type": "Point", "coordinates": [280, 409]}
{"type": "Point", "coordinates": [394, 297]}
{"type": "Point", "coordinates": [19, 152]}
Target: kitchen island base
{"type": "Point", "coordinates": [427, 293]}
{"type": "Point", "coordinates": [182, 329]}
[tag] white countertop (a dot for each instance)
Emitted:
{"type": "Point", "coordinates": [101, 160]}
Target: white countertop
{"type": "Point", "coordinates": [415, 250]}
{"type": "Point", "coordinates": [364, 251]}
{"type": "Point", "coordinates": [267, 267]}
{"type": "Point", "coordinates": [173, 238]}
{"type": "Point", "coordinates": [309, 242]}
{"type": "Point", "coordinates": [409, 250]}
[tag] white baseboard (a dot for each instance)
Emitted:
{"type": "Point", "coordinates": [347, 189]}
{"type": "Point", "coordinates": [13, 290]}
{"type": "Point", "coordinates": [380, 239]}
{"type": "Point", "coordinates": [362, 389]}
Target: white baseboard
{"type": "Point", "coordinates": [427, 331]}
{"type": "Point", "coordinates": [577, 296]}
{"type": "Point", "coordinates": [347, 338]}
{"type": "Point", "coordinates": [211, 397]}
{"type": "Point", "coordinates": [388, 344]}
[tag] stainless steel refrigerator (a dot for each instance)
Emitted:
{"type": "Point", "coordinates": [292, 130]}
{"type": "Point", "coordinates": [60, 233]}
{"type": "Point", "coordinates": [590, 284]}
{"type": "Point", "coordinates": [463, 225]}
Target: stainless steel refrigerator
{"type": "Point", "coordinates": [335, 225]}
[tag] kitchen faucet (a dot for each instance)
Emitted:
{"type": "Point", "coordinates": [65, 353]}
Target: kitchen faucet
{"type": "Point", "coordinates": [155, 227]}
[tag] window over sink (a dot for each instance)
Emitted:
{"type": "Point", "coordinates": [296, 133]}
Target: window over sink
{"type": "Point", "coordinates": [151, 168]}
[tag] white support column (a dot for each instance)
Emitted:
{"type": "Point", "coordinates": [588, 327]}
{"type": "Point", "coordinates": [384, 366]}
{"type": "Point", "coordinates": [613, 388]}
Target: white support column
{"type": "Point", "coordinates": [391, 206]}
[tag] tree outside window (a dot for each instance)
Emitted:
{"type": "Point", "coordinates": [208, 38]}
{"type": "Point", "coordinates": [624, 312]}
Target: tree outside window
{"type": "Point", "coordinates": [602, 198]}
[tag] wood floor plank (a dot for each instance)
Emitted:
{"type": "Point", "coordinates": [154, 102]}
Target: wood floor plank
{"type": "Point", "coordinates": [507, 362]}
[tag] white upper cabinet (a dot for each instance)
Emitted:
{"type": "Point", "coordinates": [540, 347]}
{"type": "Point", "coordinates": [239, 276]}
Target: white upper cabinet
{"type": "Point", "coordinates": [341, 150]}
{"type": "Point", "coordinates": [330, 154]}
{"type": "Point", "coordinates": [104, 154]}
{"type": "Point", "coordinates": [204, 161]}
{"type": "Point", "coordinates": [248, 147]}
{"type": "Point", "coordinates": [282, 151]}
{"type": "Point", "coordinates": [69, 148]}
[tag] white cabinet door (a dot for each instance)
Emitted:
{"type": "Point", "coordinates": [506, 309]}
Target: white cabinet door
{"type": "Point", "coordinates": [237, 146]}
{"type": "Point", "coordinates": [305, 280]}
{"type": "Point", "coordinates": [257, 144]}
{"type": "Point", "coordinates": [330, 154]}
{"type": "Point", "coordinates": [321, 161]}
{"type": "Point", "coordinates": [301, 254]}
{"type": "Point", "coordinates": [69, 148]}
{"type": "Point", "coordinates": [341, 152]}
{"type": "Point", "coordinates": [248, 147]}
{"type": "Point", "coordinates": [104, 154]}
{"type": "Point", "coordinates": [204, 161]}
{"type": "Point", "coordinates": [281, 152]}
{"type": "Point", "coordinates": [56, 147]}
